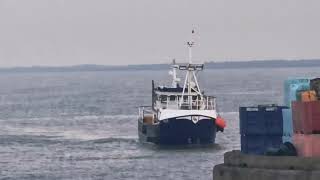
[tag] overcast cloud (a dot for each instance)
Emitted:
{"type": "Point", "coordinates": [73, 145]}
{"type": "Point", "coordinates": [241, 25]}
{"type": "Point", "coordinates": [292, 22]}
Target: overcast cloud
{"type": "Point", "coordinates": [67, 32]}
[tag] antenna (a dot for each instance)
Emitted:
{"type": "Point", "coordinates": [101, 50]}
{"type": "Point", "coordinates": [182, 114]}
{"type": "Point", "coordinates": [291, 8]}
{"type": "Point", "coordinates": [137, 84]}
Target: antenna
{"type": "Point", "coordinates": [190, 45]}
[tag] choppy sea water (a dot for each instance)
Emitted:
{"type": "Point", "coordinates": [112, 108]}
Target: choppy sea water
{"type": "Point", "coordinates": [83, 125]}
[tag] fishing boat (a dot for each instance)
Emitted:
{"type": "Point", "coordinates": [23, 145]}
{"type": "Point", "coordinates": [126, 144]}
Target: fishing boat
{"type": "Point", "coordinates": [180, 114]}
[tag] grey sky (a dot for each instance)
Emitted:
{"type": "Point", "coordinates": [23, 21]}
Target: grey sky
{"type": "Point", "coordinates": [67, 32]}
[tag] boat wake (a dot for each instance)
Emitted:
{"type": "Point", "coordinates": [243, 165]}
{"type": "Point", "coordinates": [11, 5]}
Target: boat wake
{"type": "Point", "coordinates": [132, 140]}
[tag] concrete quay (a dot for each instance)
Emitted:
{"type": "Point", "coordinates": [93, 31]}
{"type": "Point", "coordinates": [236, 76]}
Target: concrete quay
{"type": "Point", "coordinates": [239, 166]}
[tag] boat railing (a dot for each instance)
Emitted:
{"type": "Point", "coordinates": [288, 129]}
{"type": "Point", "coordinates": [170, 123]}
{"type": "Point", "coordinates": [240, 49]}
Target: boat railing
{"type": "Point", "coordinates": [189, 102]}
{"type": "Point", "coordinates": [146, 115]}
{"type": "Point", "coordinates": [145, 110]}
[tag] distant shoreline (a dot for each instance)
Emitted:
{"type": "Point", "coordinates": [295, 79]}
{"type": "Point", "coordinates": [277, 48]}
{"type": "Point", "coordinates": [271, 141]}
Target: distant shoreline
{"type": "Point", "coordinates": [208, 65]}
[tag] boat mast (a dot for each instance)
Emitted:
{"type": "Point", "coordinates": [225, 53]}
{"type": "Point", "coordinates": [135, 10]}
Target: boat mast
{"type": "Point", "coordinates": [189, 73]}
{"type": "Point", "coordinates": [191, 79]}
{"type": "Point", "coordinates": [190, 44]}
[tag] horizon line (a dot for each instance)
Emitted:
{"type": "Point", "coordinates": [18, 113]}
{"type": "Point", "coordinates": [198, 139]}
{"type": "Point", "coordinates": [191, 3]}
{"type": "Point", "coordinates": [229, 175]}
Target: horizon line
{"type": "Point", "coordinates": [143, 64]}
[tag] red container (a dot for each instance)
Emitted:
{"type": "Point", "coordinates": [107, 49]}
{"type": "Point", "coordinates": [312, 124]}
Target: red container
{"type": "Point", "coordinates": [306, 117]}
{"type": "Point", "coordinates": [307, 145]}
{"type": "Point", "coordinates": [296, 122]}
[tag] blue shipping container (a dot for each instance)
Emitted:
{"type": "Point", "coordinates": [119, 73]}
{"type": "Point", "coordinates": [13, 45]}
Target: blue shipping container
{"type": "Point", "coordinates": [259, 144]}
{"type": "Point", "coordinates": [286, 139]}
{"type": "Point", "coordinates": [261, 120]}
{"type": "Point", "coordinates": [292, 87]}
{"type": "Point", "coordinates": [287, 122]}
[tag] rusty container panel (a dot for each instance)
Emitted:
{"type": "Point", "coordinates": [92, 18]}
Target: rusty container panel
{"type": "Point", "coordinates": [307, 145]}
{"type": "Point", "coordinates": [306, 117]}
{"type": "Point", "coordinates": [296, 119]}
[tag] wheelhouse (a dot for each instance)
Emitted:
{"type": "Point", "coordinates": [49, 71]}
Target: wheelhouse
{"type": "Point", "coordinates": [172, 100]}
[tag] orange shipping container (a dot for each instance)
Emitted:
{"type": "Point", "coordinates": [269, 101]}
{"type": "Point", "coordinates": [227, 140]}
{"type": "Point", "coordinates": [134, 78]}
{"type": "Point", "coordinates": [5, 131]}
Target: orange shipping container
{"type": "Point", "coordinates": [307, 145]}
{"type": "Point", "coordinates": [307, 96]}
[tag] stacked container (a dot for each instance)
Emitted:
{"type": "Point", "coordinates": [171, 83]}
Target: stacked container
{"type": "Point", "coordinates": [292, 87]}
{"type": "Point", "coordinates": [261, 128]}
{"type": "Point", "coordinates": [287, 125]}
{"type": "Point", "coordinates": [306, 121]}
{"type": "Point", "coordinates": [315, 85]}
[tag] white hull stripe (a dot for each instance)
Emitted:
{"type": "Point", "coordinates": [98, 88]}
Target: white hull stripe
{"type": "Point", "coordinates": [167, 114]}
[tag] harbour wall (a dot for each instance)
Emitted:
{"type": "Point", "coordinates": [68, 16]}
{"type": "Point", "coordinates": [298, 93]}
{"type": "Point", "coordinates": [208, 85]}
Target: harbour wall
{"type": "Point", "coordinates": [239, 166]}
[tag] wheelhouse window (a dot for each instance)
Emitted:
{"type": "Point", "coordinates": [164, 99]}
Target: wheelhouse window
{"type": "Point", "coordinates": [163, 98]}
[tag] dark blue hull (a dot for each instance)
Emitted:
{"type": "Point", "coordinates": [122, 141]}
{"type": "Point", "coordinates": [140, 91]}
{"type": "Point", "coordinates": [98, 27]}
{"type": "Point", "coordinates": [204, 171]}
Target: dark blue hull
{"type": "Point", "coordinates": [179, 131]}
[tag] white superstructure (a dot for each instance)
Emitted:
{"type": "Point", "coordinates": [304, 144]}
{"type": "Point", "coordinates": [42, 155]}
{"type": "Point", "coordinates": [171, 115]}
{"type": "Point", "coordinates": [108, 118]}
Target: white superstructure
{"type": "Point", "coordinates": [187, 101]}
